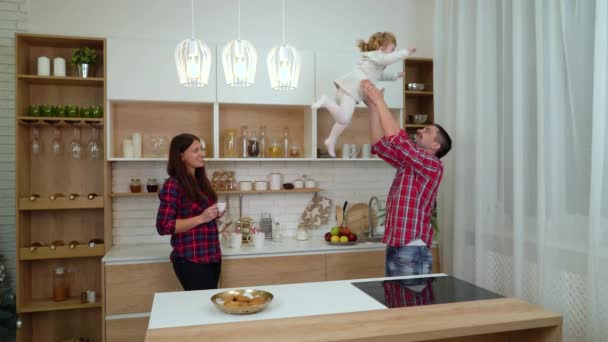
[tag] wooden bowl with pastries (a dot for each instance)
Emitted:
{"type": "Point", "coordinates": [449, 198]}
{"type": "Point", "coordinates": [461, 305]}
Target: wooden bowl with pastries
{"type": "Point", "coordinates": [242, 302]}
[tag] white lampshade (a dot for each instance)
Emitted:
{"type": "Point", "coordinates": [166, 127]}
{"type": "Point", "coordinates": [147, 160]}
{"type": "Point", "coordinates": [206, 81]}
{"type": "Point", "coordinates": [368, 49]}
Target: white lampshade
{"type": "Point", "coordinates": [284, 67]}
{"type": "Point", "coordinates": [240, 59]}
{"type": "Point", "coordinates": [193, 62]}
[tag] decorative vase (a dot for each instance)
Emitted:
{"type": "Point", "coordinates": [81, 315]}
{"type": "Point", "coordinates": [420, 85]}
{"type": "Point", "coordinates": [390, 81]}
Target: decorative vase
{"type": "Point", "coordinates": [83, 70]}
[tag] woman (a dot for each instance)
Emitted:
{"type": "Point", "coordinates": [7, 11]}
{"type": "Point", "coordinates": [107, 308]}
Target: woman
{"type": "Point", "coordinates": [188, 211]}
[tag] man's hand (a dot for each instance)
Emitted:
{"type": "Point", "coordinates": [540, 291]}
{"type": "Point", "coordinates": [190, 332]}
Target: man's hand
{"type": "Point", "coordinates": [372, 96]}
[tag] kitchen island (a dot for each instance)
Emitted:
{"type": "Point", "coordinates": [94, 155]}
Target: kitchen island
{"type": "Point", "coordinates": [419, 308]}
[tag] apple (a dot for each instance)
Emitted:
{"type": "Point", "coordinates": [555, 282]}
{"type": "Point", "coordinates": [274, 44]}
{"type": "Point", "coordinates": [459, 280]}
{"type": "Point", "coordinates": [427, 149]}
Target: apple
{"type": "Point", "coordinates": [335, 230]}
{"type": "Point", "coordinates": [344, 239]}
{"type": "Point", "coordinates": [327, 236]}
{"type": "Point", "coordinates": [335, 238]}
{"type": "Point", "coordinates": [352, 237]}
{"type": "Point", "coordinates": [345, 231]}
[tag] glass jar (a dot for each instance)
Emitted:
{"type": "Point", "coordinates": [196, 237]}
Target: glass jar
{"type": "Point", "coordinates": [286, 142]}
{"type": "Point", "coordinates": [135, 185]}
{"type": "Point", "coordinates": [263, 141]}
{"type": "Point", "coordinates": [275, 150]}
{"type": "Point", "coordinates": [294, 151]}
{"type": "Point", "coordinates": [243, 142]}
{"type": "Point", "coordinates": [152, 185]}
{"type": "Point", "coordinates": [253, 145]}
{"type": "Point", "coordinates": [230, 143]}
{"type": "Point", "coordinates": [61, 290]}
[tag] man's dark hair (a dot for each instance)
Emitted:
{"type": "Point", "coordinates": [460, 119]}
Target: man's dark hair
{"type": "Point", "coordinates": [444, 140]}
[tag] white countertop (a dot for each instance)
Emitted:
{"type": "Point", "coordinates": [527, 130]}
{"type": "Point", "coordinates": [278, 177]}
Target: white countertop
{"type": "Point", "coordinates": [179, 309]}
{"type": "Point", "coordinates": [145, 253]}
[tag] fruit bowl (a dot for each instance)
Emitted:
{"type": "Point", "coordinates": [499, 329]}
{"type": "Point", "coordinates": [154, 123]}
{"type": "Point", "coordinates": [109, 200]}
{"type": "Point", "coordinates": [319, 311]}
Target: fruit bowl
{"type": "Point", "coordinates": [349, 243]}
{"type": "Point", "coordinates": [242, 302]}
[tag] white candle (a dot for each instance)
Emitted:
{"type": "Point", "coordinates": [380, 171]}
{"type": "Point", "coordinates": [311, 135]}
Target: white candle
{"type": "Point", "coordinates": [59, 67]}
{"type": "Point", "coordinates": [127, 148]}
{"type": "Point", "coordinates": [137, 145]}
{"type": "Point", "coordinates": [44, 66]}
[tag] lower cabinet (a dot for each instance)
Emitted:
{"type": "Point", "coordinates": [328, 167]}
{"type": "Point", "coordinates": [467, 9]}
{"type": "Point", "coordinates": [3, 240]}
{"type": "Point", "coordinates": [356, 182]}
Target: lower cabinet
{"type": "Point", "coordinates": [357, 265]}
{"type": "Point", "coordinates": [126, 329]}
{"type": "Point", "coordinates": [273, 270]}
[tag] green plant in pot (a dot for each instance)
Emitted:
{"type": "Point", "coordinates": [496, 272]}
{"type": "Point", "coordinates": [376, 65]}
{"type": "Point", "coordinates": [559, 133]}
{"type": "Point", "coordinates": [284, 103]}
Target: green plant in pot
{"type": "Point", "coordinates": [83, 58]}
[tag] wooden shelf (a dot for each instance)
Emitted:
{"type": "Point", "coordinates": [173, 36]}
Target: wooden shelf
{"type": "Point", "coordinates": [62, 252]}
{"type": "Point", "coordinates": [131, 194]}
{"type": "Point", "coordinates": [57, 80]}
{"type": "Point", "coordinates": [73, 303]}
{"type": "Point", "coordinates": [58, 121]}
{"type": "Point", "coordinates": [418, 93]}
{"type": "Point", "coordinates": [224, 192]}
{"type": "Point", "coordinates": [44, 203]}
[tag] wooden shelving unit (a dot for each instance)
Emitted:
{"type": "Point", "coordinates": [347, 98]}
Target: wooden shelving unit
{"type": "Point", "coordinates": [44, 220]}
{"type": "Point", "coordinates": [224, 192]}
{"type": "Point", "coordinates": [418, 70]}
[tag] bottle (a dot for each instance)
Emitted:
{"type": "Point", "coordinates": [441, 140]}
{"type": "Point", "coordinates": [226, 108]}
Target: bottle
{"type": "Point", "coordinates": [230, 143]}
{"type": "Point", "coordinates": [94, 242]}
{"type": "Point", "coordinates": [34, 246]}
{"type": "Point", "coordinates": [60, 285]}
{"type": "Point", "coordinates": [135, 185]}
{"type": "Point", "coordinates": [244, 141]}
{"type": "Point", "coordinates": [286, 142]}
{"type": "Point", "coordinates": [56, 195]}
{"type": "Point", "coordinates": [73, 244]}
{"type": "Point", "coordinates": [92, 196]}
{"type": "Point", "coordinates": [33, 197]}
{"type": "Point", "coordinates": [263, 142]}
{"type": "Point", "coordinates": [276, 232]}
{"type": "Point", "coordinates": [72, 197]}
{"type": "Point", "coordinates": [56, 243]}
{"type": "Point", "coordinates": [253, 145]}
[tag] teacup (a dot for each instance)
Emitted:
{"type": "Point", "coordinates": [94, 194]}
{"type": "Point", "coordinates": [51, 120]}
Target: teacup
{"type": "Point", "coordinates": [236, 240]}
{"type": "Point", "coordinates": [221, 206]}
{"type": "Point", "coordinates": [257, 239]}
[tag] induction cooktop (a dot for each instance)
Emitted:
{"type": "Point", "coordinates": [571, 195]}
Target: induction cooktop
{"type": "Point", "coordinates": [397, 293]}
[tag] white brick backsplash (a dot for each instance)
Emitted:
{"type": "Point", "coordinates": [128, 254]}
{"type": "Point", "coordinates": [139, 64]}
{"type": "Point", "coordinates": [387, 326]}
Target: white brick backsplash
{"type": "Point", "coordinates": [135, 218]}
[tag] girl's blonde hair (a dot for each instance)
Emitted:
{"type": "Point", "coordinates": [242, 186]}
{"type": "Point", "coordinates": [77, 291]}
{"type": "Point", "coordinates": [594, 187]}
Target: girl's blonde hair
{"type": "Point", "coordinates": [376, 41]}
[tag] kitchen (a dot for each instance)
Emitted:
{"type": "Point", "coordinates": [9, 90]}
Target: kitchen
{"type": "Point", "coordinates": [107, 244]}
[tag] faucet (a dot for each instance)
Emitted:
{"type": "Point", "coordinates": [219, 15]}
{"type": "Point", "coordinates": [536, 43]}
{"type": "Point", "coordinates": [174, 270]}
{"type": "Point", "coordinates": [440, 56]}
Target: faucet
{"type": "Point", "coordinates": [369, 215]}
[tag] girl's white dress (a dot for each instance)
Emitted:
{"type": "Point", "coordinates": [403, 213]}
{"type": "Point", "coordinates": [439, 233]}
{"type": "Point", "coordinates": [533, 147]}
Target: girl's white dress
{"type": "Point", "coordinates": [370, 67]}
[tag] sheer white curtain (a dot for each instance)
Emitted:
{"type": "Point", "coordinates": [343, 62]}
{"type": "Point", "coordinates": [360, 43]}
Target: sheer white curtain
{"type": "Point", "coordinates": [522, 86]}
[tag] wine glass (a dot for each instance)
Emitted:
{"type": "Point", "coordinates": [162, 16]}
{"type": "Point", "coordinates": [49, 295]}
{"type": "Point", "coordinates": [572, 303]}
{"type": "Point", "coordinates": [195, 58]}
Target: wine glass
{"type": "Point", "coordinates": [94, 145]}
{"type": "Point", "coordinates": [56, 144]}
{"type": "Point", "coordinates": [36, 145]}
{"type": "Point", "coordinates": [75, 146]}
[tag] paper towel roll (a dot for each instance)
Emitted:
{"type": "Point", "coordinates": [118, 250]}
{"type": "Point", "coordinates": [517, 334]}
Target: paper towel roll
{"type": "Point", "coordinates": [59, 67]}
{"type": "Point", "coordinates": [137, 145]}
{"type": "Point", "coordinates": [44, 66]}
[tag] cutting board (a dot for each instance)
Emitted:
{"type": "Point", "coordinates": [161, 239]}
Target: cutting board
{"type": "Point", "coordinates": [356, 218]}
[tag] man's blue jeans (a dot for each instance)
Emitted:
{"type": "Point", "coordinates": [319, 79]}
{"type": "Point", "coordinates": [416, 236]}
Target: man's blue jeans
{"type": "Point", "coordinates": [408, 260]}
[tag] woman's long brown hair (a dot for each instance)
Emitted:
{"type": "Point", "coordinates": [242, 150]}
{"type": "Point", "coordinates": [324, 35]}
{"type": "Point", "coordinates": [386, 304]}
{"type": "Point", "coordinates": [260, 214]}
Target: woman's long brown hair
{"type": "Point", "coordinates": [197, 188]}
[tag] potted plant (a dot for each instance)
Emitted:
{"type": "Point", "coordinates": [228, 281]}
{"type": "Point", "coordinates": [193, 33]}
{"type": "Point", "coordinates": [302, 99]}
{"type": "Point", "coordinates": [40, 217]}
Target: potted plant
{"type": "Point", "coordinates": [83, 58]}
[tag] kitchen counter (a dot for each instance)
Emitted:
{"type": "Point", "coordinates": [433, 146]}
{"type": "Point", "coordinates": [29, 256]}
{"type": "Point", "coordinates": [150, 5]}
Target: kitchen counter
{"type": "Point", "coordinates": [128, 254]}
{"type": "Point", "coordinates": [340, 311]}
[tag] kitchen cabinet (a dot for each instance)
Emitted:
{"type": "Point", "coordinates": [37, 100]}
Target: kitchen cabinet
{"type": "Point", "coordinates": [273, 270]}
{"type": "Point", "coordinates": [344, 266]}
{"type": "Point", "coordinates": [332, 65]}
{"type": "Point", "coordinates": [261, 92]}
{"type": "Point", "coordinates": [126, 329]}
{"type": "Point", "coordinates": [144, 70]}
{"type": "Point", "coordinates": [46, 216]}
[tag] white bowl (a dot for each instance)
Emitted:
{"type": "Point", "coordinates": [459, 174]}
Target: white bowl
{"type": "Point", "coordinates": [261, 185]}
{"type": "Point", "coordinates": [245, 185]}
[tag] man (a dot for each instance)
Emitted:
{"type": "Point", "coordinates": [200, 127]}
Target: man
{"type": "Point", "coordinates": [408, 232]}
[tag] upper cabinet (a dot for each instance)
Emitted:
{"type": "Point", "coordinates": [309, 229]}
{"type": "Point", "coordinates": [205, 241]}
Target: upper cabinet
{"type": "Point", "coordinates": [145, 70]}
{"type": "Point", "coordinates": [332, 65]}
{"type": "Point", "coordinates": [260, 92]}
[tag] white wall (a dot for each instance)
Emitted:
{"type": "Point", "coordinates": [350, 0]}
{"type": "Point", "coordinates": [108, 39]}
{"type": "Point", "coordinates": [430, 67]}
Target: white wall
{"type": "Point", "coordinates": [13, 14]}
{"type": "Point", "coordinates": [310, 24]}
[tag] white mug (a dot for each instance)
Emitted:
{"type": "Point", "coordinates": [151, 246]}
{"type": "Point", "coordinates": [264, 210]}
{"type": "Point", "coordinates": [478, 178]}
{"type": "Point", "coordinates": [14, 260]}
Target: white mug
{"type": "Point", "coordinates": [221, 206]}
{"type": "Point", "coordinates": [366, 151]}
{"type": "Point", "coordinates": [276, 181]}
{"type": "Point", "coordinates": [354, 151]}
{"type": "Point", "coordinates": [298, 184]}
{"type": "Point", "coordinates": [236, 240]}
{"type": "Point", "coordinates": [345, 151]}
{"type": "Point", "coordinates": [257, 239]}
